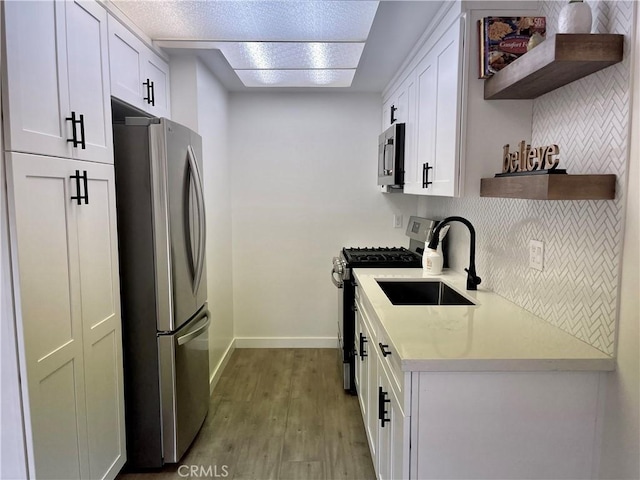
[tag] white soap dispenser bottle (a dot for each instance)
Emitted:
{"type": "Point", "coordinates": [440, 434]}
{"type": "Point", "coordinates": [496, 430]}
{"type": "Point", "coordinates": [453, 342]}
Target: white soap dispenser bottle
{"type": "Point", "coordinates": [432, 259]}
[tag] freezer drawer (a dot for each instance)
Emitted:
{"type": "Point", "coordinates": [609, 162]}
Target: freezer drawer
{"type": "Point", "coordinates": [184, 384]}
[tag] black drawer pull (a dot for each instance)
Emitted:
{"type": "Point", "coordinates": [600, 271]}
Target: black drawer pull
{"type": "Point", "coordinates": [393, 114]}
{"type": "Point", "coordinates": [77, 197]}
{"type": "Point", "coordinates": [363, 352]}
{"type": "Point", "coordinates": [74, 132]}
{"type": "Point", "coordinates": [425, 175]}
{"type": "Point", "coordinates": [382, 403]}
{"type": "Point", "coordinates": [151, 94]}
{"type": "Point", "coordinates": [384, 349]}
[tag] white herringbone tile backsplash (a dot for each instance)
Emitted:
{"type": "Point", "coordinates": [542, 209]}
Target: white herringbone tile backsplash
{"type": "Point", "coordinates": [589, 120]}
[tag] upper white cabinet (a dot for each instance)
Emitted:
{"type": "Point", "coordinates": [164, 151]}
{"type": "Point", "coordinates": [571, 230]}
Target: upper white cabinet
{"type": "Point", "coordinates": [56, 97]}
{"type": "Point", "coordinates": [62, 216]}
{"type": "Point", "coordinates": [138, 75]}
{"type": "Point", "coordinates": [434, 170]}
{"type": "Point", "coordinates": [453, 136]}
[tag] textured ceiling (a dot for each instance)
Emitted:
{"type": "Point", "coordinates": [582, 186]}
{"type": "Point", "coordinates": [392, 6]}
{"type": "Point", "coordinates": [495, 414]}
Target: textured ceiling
{"type": "Point", "coordinates": [276, 32]}
{"type": "Point", "coordinates": [257, 20]}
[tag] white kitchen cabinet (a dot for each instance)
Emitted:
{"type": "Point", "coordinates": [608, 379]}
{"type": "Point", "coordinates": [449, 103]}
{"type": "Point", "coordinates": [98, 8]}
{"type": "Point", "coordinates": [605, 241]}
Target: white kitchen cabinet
{"type": "Point", "coordinates": [403, 102]}
{"type": "Point", "coordinates": [56, 84]}
{"type": "Point", "coordinates": [371, 385]}
{"type": "Point", "coordinates": [393, 431]}
{"type": "Point", "coordinates": [387, 427]}
{"type": "Point", "coordinates": [439, 81]}
{"type": "Point", "coordinates": [360, 352]}
{"type": "Point", "coordinates": [138, 75]}
{"type": "Point", "coordinates": [457, 137]}
{"type": "Point", "coordinates": [399, 106]}
{"type": "Point", "coordinates": [65, 263]}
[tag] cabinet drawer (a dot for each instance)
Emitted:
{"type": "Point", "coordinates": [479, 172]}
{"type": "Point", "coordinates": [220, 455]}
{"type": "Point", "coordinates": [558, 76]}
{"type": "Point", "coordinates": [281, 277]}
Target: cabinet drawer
{"type": "Point", "coordinates": [390, 361]}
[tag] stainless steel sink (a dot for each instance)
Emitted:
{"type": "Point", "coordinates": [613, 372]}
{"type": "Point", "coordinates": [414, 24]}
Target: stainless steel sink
{"type": "Point", "coordinates": [422, 292]}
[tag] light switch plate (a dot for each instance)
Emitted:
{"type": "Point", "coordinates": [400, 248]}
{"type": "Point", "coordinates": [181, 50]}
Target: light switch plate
{"type": "Point", "coordinates": [536, 255]}
{"type": "Point", "coordinates": [397, 221]}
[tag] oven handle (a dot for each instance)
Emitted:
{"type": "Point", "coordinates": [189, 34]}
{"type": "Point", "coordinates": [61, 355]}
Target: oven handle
{"type": "Point", "coordinates": [337, 282]}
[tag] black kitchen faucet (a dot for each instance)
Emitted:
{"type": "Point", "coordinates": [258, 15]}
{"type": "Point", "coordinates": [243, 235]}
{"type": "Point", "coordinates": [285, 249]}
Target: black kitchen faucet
{"type": "Point", "coordinates": [473, 280]}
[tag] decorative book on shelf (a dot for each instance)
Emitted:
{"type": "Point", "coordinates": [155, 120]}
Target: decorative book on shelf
{"type": "Point", "coordinates": [504, 39]}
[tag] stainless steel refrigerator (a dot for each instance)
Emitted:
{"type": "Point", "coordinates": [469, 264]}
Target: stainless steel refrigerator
{"type": "Point", "coordinates": [161, 240]}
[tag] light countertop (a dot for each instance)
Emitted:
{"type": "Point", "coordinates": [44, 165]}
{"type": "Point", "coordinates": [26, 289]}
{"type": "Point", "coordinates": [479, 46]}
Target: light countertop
{"type": "Point", "coordinates": [493, 335]}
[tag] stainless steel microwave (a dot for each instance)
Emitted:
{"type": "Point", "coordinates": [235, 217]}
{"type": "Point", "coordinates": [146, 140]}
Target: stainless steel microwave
{"type": "Point", "coordinates": [391, 156]}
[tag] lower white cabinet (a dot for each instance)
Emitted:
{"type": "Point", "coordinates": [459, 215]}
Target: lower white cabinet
{"type": "Point", "coordinates": [65, 268]}
{"type": "Point", "coordinates": [393, 430]}
{"type": "Point", "coordinates": [473, 424]}
{"type": "Point", "coordinates": [386, 424]}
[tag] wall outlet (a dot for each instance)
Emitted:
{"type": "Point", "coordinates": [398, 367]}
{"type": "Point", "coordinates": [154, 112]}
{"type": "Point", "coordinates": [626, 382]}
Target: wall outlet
{"type": "Point", "coordinates": [536, 254]}
{"type": "Point", "coordinates": [397, 221]}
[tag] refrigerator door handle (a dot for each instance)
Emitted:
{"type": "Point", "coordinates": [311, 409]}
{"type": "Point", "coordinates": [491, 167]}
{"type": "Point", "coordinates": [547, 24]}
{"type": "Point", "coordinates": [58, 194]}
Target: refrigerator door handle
{"type": "Point", "coordinates": [197, 331]}
{"type": "Point", "coordinates": [195, 171]}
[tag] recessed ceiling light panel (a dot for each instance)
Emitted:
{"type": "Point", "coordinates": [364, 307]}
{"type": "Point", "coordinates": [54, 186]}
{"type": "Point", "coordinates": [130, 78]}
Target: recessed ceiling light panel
{"type": "Point", "coordinates": [288, 55]}
{"type": "Point", "coordinates": [296, 78]}
{"type": "Point", "coordinates": [266, 20]}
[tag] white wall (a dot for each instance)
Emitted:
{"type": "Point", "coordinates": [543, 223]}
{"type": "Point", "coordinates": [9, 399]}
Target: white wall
{"type": "Point", "coordinates": [200, 102]}
{"type": "Point", "coordinates": [303, 186]}
{"type": "Point", "coordinates": [12, 442]}
{"type": "Point", "coordinates": [213, 124]}
{"type": "Point", "coordinates": [621, 433]}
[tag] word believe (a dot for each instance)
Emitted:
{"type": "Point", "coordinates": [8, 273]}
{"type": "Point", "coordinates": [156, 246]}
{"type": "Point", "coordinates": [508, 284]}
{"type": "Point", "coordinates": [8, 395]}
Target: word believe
{"type": "Point", "coordinates": [528, 159]}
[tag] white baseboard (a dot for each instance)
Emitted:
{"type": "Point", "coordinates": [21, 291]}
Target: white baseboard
{"type": "Point", "coordinates": [217, 373]}
{"type": "Point", "coordinates": [286, 342]}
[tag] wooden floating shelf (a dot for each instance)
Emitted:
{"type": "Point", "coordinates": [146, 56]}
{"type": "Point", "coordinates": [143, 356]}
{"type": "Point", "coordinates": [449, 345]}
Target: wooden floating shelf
{"type": "Point", "coordinates": [551, 187]}
{"type": "Point", "coordinates": [557, 61]}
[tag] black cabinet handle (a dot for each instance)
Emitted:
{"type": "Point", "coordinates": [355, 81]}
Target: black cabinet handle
{"type": "Point", "coordinates": [393, 114]}
{"type": "Point", "coordinates": [151, 97]}
{"type": "Point", "coordinates": [425, 175]}
{"type": "Point", "coordinates": [382, 403]}
{"type": "Point", "coordinates": [363, 352]}
{"type": "Point", "coordinates": [74, 131]}
{"type": "Point", "coordinates": [384, 349]}
{"type": "Point", "coordinates": [79, 197]}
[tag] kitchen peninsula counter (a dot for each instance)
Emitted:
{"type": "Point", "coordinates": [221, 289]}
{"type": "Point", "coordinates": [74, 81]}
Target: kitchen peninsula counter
{"type": "Point", "coordinates": [493, 335]}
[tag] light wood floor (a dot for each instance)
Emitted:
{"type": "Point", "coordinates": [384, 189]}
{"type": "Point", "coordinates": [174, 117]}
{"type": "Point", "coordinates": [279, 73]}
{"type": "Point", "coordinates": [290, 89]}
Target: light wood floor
{"type": "Point", "coordinates": [278, 414]}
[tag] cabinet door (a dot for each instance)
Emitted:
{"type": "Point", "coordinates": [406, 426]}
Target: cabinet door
{"type": "Point", "coordinates": [46, 267]}
{"type": "Point", "coordinates": [35, 96]}
{"type": "Point", "coordinates": [125, 64]}
{"type": "Point", "coordinates": [68, 287]}
{"type": "Point", "coordinates": [362, 364]}
{"type": "Point", "coordinates": [101, 324]}
{"type": "Point", "coordinates": [447, 60]}
{"type": "Point", "coordinates": [439, 83]}
{"type": "Point", "coordinates": [426, 76]}
{"type": "Point", "coordinates": [372, 399]}
{"type": "Point", "coordinates": [157, 74]}
{"type": "Point", "coordinates": [383, 401]}
{"type": "Point", "coordinates": [393, 433]}
{"type": "Point", "coordinates": [407, 114]}
{"type": "Point", "coordinates": [88, 67]}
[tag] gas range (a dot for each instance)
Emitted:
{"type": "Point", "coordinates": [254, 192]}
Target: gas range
{"type": "Point", "coordinates": [380, 257]}
{"type": "Point", "coordinates": [419, 231]}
